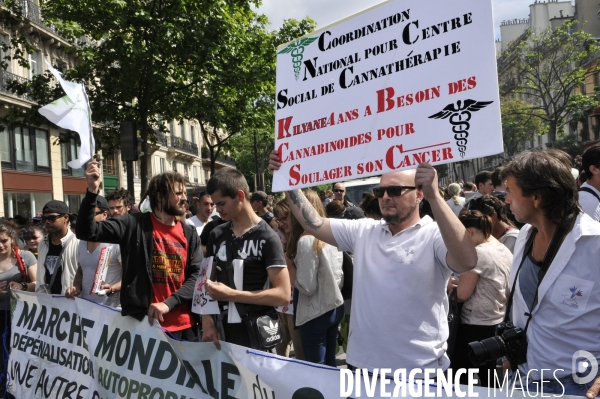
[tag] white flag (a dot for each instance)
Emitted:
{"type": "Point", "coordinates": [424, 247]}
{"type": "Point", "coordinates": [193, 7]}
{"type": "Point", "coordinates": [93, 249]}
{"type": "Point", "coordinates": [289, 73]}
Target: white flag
{"type": "Point", "coordinates": [72, 112]}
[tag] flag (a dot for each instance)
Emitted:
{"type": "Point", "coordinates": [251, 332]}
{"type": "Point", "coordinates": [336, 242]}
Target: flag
{"type": "Point", "coordinates": [72, 112]}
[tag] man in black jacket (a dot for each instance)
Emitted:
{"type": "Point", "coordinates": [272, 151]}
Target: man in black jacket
{"type": "Point", "coordinates": [161, 255]}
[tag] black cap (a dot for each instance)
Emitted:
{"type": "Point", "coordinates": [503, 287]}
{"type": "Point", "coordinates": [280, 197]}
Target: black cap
{"type": "Point", "coordinates": [259, 196]}
{"type": "Point", "coordinates": [55, 206]}
{"type": "Point", "coordinates": [102, 203]}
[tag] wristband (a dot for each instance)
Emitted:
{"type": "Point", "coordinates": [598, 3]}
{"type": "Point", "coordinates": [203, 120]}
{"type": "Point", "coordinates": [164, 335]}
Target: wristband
{"type": "Point", "coordinates": [24, 286]}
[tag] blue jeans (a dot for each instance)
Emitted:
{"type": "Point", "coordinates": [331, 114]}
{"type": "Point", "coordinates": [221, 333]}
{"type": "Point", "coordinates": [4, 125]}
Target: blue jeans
{"type": "Point", "coordinates": [319, 337]}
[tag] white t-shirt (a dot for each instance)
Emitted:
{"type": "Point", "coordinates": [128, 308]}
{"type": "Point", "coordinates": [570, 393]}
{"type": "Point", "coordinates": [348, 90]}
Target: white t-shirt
{"type": "Point", "coordinates": [487, 303]}
{"type": "Point", "coordinates": [89, 265]}
{"type": "Point", "coordinates": [399, 302]}
{"type": "Point", "coordinates": [197, 223]}
{"type": "Point", "coordinates": [589, 203]}
{"type": "Point", "coordinates": [456, 208]}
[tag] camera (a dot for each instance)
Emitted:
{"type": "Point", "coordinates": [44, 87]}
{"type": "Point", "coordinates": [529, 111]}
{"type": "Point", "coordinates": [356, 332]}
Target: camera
{"type": "Point", "coordinates": [510, 341]}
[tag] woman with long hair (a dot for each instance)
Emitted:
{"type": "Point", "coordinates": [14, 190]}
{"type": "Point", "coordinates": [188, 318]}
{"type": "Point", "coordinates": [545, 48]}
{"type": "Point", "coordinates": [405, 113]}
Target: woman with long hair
{"type": "Point", "coordinates": [17, 272]}
{"type": "Point", "coordinates": [319, 279]}
{"type": "Point", "coordinates": [503, 229]}
{"type": "Point", "coordinates": [484, 291]}
{"type": "Point", "coordinates": [456, 202]}
{"type": "Point", "coordinates": [281, 211]}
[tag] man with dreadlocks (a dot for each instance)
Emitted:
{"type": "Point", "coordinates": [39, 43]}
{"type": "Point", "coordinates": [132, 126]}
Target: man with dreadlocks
{"type": "Point", "coordinates": [161, 255]}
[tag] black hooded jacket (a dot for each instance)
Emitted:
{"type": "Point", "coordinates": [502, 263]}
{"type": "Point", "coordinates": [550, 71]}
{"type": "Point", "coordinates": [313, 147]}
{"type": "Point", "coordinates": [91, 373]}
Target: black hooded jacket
{"type": "Point", "coordinates": [133, 233]}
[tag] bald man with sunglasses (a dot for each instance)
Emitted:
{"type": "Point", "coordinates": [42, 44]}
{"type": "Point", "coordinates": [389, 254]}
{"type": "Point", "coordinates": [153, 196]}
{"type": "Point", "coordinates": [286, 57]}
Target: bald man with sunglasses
{"type": "Point", "coordinates": [402, 264]}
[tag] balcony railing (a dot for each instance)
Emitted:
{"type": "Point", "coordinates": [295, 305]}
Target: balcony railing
{"type": "Point", "coordinates": [224, 159]}
{"type": "Point", "coordinates": [184, 145]}
{"type": "Point", "coordinates": [31, 11]}
{"type": "Point", "coordinates": [161, 138]}
{"type": "Point", "coordinates": [6, 78]}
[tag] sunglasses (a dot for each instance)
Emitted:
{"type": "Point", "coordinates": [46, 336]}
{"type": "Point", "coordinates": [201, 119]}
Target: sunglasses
{"type": "Point", "coordinates": [51, 218]}
{"type": "Point", "coordinates": [393, 191]}
{"type": "Point", "coordinates": [283, 219]}
{"type": "Point", "coordinates": [338, 191]}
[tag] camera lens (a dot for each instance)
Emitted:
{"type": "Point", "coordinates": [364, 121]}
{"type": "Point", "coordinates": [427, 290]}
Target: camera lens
{"type": "Point", "coordinates": [486, 350]}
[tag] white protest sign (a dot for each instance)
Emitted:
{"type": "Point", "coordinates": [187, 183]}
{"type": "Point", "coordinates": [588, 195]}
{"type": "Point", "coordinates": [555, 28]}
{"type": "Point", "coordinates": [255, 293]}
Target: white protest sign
{"type": "Point", "coordinates": [402, 83]}
{"type": "Point", "coordinates": [202, 302]}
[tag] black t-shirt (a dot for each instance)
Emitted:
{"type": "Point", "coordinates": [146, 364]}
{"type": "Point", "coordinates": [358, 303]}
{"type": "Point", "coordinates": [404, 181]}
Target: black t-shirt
{"type": "Point", "coordinates": [259, 247]}
{"type": "Point", "coordinates": [268, 217]}
{"type": "Point", "coordinates": [216, 221]}
{"type": "Point", "coordinates": [53, 264]}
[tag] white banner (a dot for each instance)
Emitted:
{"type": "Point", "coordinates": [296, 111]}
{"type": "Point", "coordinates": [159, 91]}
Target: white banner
{"type": "Point", "coordinates": [402, 83]}
{"type": "Point", "coordinates": [62, 348]}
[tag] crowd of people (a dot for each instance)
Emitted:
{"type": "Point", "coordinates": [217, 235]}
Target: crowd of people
{"type": "Point", "coordinates": [378, 278]}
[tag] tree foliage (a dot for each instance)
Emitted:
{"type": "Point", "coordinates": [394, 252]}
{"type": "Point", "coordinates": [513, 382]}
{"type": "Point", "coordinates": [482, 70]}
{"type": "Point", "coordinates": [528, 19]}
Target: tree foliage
{"type": "Point", "coordinates": [520, 123]}
{"type": "Point", "coordinates": [546, 67]}
{"type": "Point", "coordinates": [238, 92]}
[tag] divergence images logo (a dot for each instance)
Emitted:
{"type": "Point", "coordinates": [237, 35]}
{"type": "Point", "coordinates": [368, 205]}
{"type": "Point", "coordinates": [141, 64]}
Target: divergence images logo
{"type": "Point", "coordinates": [581, 366]}
{"type": "Point", "coordinates": [297, 50]}
{"type": "Point", "coordinates": [460, 114]}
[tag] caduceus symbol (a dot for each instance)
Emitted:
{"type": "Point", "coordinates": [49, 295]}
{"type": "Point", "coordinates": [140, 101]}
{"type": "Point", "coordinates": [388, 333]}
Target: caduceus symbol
{"type": "Point", "coordinates": [297, 51]}
{"type": "Point", "coordinates": [460, 115]}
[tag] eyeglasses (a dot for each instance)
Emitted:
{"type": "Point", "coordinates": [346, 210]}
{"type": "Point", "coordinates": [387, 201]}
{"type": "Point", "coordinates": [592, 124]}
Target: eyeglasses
{"type": "Point", "coordinates": [338, 190]}
{"type": "Point", "coordinates": [283, 219]}
{"type": "Point", "coordinates": [393, 191]}
{"type": "Point", "coordinates": [51, 218]}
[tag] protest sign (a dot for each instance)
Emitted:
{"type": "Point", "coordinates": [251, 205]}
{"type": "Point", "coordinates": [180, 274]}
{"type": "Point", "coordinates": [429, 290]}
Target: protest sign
{"type": "Point", "coordinates": [63, 348]}
{"type": "Point", "coordinates": [202, 302]}
{"type": "Point", "coordinates": [402, 83]}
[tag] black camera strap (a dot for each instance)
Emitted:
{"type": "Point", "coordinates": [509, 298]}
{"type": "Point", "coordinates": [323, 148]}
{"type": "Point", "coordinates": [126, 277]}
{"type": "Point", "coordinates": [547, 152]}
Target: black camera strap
{"type": "Point", "coordinates": [553, 247]}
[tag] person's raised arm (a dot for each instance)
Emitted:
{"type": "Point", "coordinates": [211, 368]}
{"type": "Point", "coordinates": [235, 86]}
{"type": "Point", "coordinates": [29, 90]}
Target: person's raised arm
{"type": "Point", "coordinates": [304, 212]}
{"type": "Point", "coordinates": [461, 256]}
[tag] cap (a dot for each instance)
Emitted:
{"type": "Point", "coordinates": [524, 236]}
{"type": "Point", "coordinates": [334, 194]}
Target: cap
{"type": "Point", "coordinates": [259, 196]}
{"type": "Point", "coordinates": [55, 206]}
{"type": "Point", "coordinates": [102, 203]}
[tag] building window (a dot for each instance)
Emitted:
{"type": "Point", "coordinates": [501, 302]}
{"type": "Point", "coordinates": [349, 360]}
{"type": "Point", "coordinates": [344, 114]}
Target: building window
{"type": "Point", "coordinates": [182, 129]}
{"type": "Point", "coordinates": [172, 128]}
{"type": "Point", "coordinates": [25, 149]}
{"type": "Point", "coordinates": [24, 204]}
{"type": "Point", "coordinates": [193, 134]}
{"type": "Point", "coordinates": [35, 64]}
{"type": "Point", "coordinates": [5, 39]}
{"type": "Point", "coordinates": [163, 165]}
{"type": "Point", "coordinates": [109, 165]}
{"type": "Point", "coordinates": [73, 201]}
{"type": "Point", "coordinates": [69, 151]}
{"type": "Point", "coordinates": [195, 174]}
{"type": "Point", "coordinates": [175, 166]}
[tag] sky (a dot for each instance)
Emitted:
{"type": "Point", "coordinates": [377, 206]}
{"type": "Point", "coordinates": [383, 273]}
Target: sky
{"type": "Point", "coordinates": [326, 12]}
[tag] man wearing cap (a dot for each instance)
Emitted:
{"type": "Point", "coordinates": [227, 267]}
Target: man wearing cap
{"type": "Point", "coordinates": [57, 253]}
{"type": "Point", "coordinates": [259, 202]}
{"type": "Point", "coordinates": [92, 257]}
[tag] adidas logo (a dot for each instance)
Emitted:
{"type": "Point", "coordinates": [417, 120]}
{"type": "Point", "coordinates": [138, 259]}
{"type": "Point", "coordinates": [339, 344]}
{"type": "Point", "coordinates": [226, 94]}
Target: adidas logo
{"type": "Point", "coordinates": [271, 328]}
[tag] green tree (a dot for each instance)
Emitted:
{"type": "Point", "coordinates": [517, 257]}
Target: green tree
{"type": "Point", "coordinates": [237, 94]}
{"type": "Point", "coordinates": [546, 68]}
{"type": "Point", "coordinates": [520, 123]}
{"type": "Point", "coordinates": [141, 54]}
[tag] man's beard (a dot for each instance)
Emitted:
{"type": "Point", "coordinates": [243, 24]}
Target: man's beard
{"type": "Point", "coordinates": [400, 217]}
{"type": "Point", "coordinates": [173, 210]}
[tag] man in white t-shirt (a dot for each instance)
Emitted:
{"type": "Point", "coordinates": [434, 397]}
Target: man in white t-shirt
{"type": "Point", "coordinates": [589, 192]}
{"type": "Point", "coordinates": [205, 207]}
{"type": "Point", "coordinates": [401, 267]}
